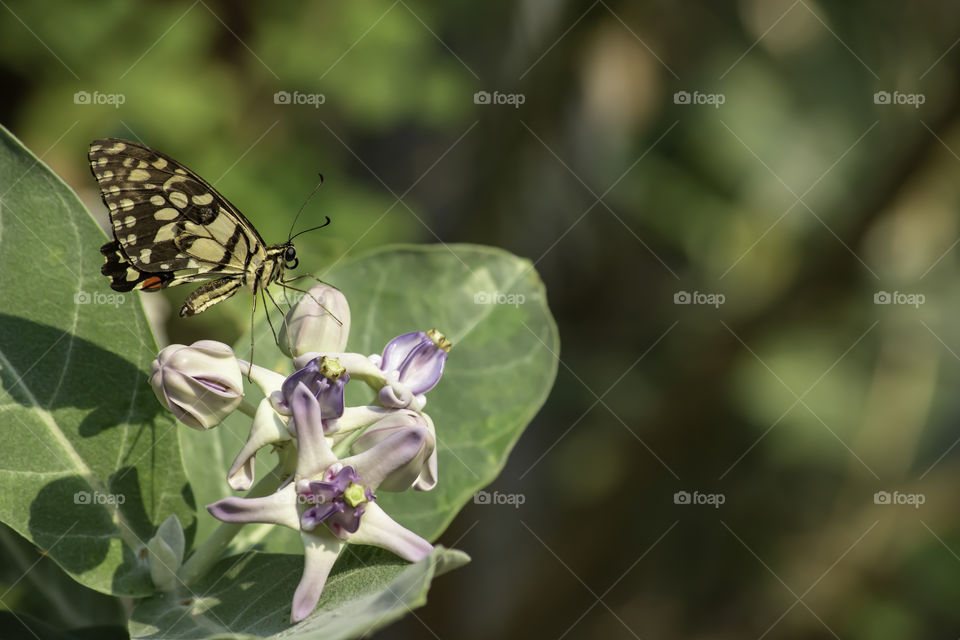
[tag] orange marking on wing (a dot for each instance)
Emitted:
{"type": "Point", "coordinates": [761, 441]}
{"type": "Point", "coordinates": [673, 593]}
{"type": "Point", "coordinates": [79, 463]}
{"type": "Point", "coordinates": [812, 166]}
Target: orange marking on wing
{"type": "Point", "coordinates": [153, 282]}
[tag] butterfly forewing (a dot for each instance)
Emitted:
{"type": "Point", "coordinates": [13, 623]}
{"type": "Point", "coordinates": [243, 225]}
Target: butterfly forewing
{"type": "Point", "coordinates": [170, 226]}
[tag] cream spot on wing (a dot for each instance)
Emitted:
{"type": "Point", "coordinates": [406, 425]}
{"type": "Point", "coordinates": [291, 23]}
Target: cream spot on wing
{"type": "Point", "coordinates": [145, 256]}
{"type": "Point", "coordinates": [172, 181]}
{"type": "Point", "coordinates": [165, 233]}
{"type": "Point", "coordinates": [159, 163]}
{"type": "Point", "coordinates": [139, 175]}
{"type": "Point", "coordinates": [95, 147]}
{"type": "Point", "coordinates": [210, 250]}
{"type": "Point", "coordinates": [132, 274]}
{"type": "Point", "coordinates": [167, 213]}
{"type": "Point", "coordinates": [116, 148]}
{"type": "Point", "coordinates": [126, 204]}
{"type": "Point", "coordinates": [165, 266]}
{"type": "Point", "coordinates": [178, 198]}
{"type": "Point", "coordinates": [112, 205]}
{"type": "Point", "coordinates": [157, 200]}
{"type": "Point", "coordinates": [142, 165]}
{"type": "Point", "coordinates": [128, 162]}
{"type": "Point", "coordinates": [107, 174]}
{"type": "Point", "coordinates": [129, 221]}
{"type": "Point", "coordinates": [131, 238]}
{"type": "Point", "coordinates": [101, 161]}
{"type": "Point", "coordinates": [117, 224]}
{"type": "Point", "coordinates": [114, 188]}
{"type": "Point", "coordinates": [202, 199]}
{"type": "Point", "coordinates": [192, 264]}
{"type": "Point", "coordinates": [181, 172]}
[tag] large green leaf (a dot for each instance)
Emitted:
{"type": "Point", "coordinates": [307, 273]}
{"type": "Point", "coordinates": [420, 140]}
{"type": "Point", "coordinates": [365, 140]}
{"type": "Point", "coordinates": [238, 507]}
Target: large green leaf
{"type": "Point", "coordinates": [249, 596]}
{"type": "Point", "coordinates": [82, 429]}
{"type": "Point", "coordinates": [498, 375]}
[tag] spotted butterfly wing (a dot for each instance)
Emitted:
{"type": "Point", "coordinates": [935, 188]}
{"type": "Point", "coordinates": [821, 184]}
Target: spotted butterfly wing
{"type": "Point", "coordinates": [171, 227]}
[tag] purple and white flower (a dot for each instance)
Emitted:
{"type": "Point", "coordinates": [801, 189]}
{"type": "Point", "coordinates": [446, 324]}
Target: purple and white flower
{"type": "Point", "coordinates": [332, 501]}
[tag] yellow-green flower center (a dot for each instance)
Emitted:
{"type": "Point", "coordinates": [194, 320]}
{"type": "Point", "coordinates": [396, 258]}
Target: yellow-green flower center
{"type": "Point", "coordinates": [440, 340]}
{"type": "Point", "coordinates": [355, 494]}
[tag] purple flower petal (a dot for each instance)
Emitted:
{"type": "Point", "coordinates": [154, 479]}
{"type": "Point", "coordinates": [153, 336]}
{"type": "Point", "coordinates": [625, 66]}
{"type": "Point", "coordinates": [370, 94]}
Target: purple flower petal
{"type": "Point", "coordinates": [395, 460]}
{"type": "Point", "coordinates": [320, 551]}
{"type": "Point", "coordinates": [422, 368]}
{"type": "Point", "coordinates": [346, 521]}
{"type": "Point", "coordinates": [315, 515]}
{"type": "Point", "coordinates": [313, 452]}
{"type": "Point", "coordinates": [400, 347]}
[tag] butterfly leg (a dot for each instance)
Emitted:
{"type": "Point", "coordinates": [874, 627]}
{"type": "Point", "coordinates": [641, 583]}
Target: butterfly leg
{"type": "Point", "coordinates": [210, 294]}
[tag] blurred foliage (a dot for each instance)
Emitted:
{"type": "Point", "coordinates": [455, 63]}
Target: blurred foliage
{"type": "Point", "coordinates": [798, 199]}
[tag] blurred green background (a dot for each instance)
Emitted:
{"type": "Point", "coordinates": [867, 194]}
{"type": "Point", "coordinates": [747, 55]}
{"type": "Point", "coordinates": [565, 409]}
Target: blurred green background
{"type": "Point", "coordinates": [795, 160]}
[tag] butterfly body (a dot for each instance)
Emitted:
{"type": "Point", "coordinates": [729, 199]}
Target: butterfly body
{"type": "Point", "coordinates": [170, 227]}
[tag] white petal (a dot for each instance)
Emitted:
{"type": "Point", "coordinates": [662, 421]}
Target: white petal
{"type": "Point", "coordinates": [380, 530]}
{"type": "Point", "coordinates": [276, 508]}
{"type": "Point", "coordinates": [268, 428]}
{"type": "Point", "coordinates": [320, 551]}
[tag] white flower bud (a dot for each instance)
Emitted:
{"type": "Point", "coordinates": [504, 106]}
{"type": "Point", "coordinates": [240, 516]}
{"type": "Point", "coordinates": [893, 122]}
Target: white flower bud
{"type": "Point", "coordinates": [201, 384]}
{"type": "Point", "coordinates": [320, 321]}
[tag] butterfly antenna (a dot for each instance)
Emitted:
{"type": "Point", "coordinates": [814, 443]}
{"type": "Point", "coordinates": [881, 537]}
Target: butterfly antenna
{"type": "Point", "coordinates": [290, 236]}
{"type": "Point", "coordinates": [311, 229]}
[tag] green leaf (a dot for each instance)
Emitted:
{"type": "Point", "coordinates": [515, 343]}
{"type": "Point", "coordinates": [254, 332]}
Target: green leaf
{"type": "Point", "coordinates": [90, 464]}
{"type": "Point", "coordinates": [500, 370]}
{"type": "Point", "coordinates": [249, 596]}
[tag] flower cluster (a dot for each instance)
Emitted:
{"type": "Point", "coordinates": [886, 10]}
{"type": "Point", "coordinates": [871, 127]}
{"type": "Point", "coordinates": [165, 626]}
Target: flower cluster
{"type": "Point", "coordinates": [333, 457]}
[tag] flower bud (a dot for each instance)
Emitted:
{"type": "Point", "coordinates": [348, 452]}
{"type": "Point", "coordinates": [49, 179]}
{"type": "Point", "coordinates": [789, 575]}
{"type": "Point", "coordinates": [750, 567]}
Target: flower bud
{"type": "Point", "coordinates": [412, 364]}
{"type": "Point", "coordinates": [320, 321]}
{"type": "Point", "coordinates": [201, 384]}
{"type": "Point", "coordinates": [416, 435]}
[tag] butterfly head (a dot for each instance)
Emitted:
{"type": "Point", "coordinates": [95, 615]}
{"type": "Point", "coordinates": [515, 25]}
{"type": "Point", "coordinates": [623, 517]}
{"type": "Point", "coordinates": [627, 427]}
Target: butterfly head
{"type": "Point", "coordinates": [290, 259]}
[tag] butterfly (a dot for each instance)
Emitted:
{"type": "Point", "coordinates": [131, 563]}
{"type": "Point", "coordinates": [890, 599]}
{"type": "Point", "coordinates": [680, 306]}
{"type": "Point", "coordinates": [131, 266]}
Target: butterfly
{"type": "Point", "coordinates": [170, 227]}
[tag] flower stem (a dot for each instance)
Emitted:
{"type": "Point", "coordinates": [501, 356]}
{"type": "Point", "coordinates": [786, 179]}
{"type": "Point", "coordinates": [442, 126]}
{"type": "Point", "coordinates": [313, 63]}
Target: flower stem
{"type": "Point", "coordinates": [209, 552]}
{"type": "Point", "coordinates": [248, 409]}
